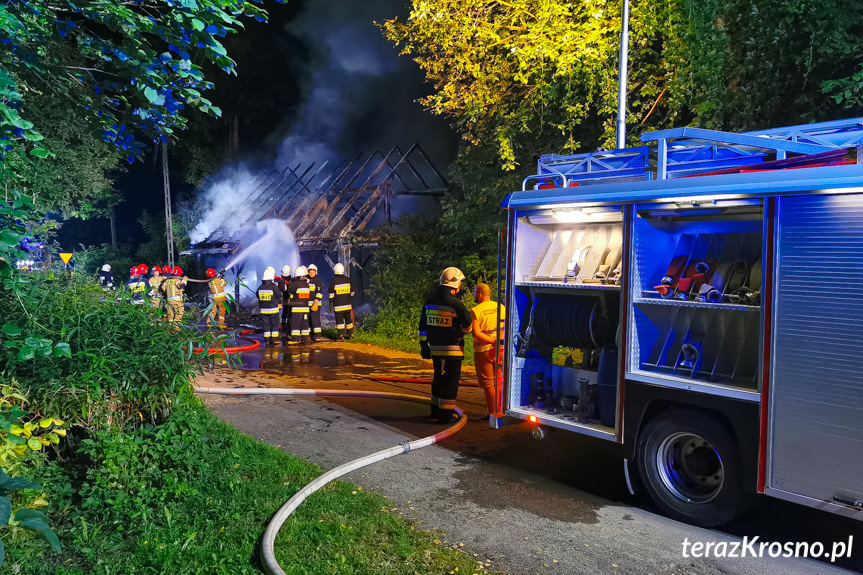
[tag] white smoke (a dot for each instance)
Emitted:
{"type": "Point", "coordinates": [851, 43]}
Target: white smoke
{"type": "Point", "coordinates": [350, 97]}
{"type": "Point", "coordinates": [268, 243]}
{"type": "Point", "coordinates": [224, 200]}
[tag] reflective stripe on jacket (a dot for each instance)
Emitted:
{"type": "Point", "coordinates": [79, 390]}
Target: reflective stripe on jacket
{"type": "Point", "coordinates": [269, 297]}
{"type": "Point", "coordinates": [443, 323]}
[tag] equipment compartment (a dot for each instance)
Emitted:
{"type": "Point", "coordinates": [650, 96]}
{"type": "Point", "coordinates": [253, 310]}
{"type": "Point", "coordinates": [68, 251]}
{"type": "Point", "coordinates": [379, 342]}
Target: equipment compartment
{"type": "Point", "coordinates": [579, 247]}
{"type": "Point", "coordinates": [696, 291]}
{"type": "Point", "coordinates": [565, 365]}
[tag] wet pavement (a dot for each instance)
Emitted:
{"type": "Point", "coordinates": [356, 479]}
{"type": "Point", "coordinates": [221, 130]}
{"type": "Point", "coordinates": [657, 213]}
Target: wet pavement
{"type": "Point", "coordinates": [554, 506]}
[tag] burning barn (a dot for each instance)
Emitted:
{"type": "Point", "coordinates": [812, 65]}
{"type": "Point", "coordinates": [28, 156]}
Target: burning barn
{"type": "Point", "coordinates": [318, 213]}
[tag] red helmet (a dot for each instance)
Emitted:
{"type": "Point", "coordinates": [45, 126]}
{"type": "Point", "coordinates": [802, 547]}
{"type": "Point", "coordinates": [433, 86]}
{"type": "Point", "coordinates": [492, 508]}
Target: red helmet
{"type": "Point", "coordinates": [134, 271]}
{"type": "Point", "coordinates": [143, 268]}
{"type": "Point", "coordinates": [157, 270]}
{"type": "Point", "coordinates": [166, 269]}
{"type": "Point", "coordinates": [211, 273]}
{"type": "Point", "coordinates": [177, 271]}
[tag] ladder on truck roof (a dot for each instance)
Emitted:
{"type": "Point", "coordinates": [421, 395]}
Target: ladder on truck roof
{"type": "Point", "coordinates": [680, 152]}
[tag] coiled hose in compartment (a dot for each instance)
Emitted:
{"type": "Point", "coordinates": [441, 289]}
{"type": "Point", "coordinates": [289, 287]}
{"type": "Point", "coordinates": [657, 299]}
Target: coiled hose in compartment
{"type": "Point", "coordinates": [574, 321]}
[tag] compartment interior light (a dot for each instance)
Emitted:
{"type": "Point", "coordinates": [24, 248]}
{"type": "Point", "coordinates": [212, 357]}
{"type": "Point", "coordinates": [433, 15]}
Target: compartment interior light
{"type": "Point", "coordinates": [570, 216]}
{"type": "Point", "coordinates": [532, 418]}
{"type": "Point", "coordinates": [585, 215]}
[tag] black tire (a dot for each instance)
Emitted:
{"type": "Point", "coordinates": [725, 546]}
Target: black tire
{"type": "Point", "coordinates": [690, 465]}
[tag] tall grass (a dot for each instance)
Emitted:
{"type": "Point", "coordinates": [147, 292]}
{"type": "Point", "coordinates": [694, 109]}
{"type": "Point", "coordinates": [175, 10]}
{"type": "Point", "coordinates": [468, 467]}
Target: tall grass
{"type": "Point", "coordinates": [125, 362]}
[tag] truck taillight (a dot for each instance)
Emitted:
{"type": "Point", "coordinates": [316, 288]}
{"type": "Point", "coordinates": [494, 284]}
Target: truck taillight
{"type": "Point", "coordinates": [532, 418]}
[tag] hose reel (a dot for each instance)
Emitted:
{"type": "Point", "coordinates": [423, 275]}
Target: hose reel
{"type": "Point", "coordinates": [572, 321]}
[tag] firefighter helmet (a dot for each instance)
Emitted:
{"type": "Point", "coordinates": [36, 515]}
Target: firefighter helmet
{"type": "Point", "coordinates": [339, 269]}
{"type": "Point", "coordinates": [286, 271]}
{"type": "Point", "coordinates": [211, 273]}
{"type": "Point", "coordinates": [166, 269]}
{"type": "Point", "coordinates": [133, 271]}
{"type": "Point", "coordinates": [451, 277]}
{"type": "Point", "coordinates": [106, 268]}
{"type": "Point", "coordinates": [269, 274]}
{"type": "Point", "coordinates": [177, 271]}
{"type": "Point", "coordinates": [143, 268]}
{"type": "Point", "coordinates": [157, 271]}
{"type": "Point", "coordinates": [300, 271]}
{"type": "Point", "coordinates": [313, 267]}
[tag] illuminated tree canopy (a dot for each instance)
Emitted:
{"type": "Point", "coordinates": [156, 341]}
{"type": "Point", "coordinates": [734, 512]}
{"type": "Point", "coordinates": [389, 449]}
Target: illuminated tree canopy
{"type": "Point", "coordinates": [510, 71]}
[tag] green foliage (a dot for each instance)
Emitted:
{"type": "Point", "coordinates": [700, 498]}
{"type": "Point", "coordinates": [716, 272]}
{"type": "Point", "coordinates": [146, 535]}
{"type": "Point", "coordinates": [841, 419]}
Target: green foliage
{"type": "Point", "coordinates": [521, 61]}
{"type": "Point", "coordinates": [407, 268]}
{"type": "Point", "coordinates": [115, 361]}
{"type": "Point", "coordinates": [88, 261]}
{"type": "Point", "coordinates": [23, 435]}
{"type": "Point", "coordinates": [79, 180]}
{"type": "Point", "coordinates": [132, 67]}
{"type": "Point", "coordinates": [193, 495]}
{"type": "Point", "coordinates": [791, 61]}
{"type": "Point", "coordinates": [20, 431]}
{"type": "Point", "coordinates": [540, 76]}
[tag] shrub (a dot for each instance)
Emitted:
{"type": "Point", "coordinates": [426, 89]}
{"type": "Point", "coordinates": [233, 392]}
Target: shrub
{"type": "Point", "coordinates": [113, 361]}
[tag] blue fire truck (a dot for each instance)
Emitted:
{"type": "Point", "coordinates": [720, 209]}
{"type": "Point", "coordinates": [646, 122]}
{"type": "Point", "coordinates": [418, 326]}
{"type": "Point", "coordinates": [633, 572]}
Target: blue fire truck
{"type": "Point", "coordinates": [698, 300]}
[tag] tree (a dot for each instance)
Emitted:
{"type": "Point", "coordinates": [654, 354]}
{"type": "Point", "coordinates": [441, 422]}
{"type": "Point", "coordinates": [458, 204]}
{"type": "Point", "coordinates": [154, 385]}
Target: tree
{"type": "Point", "coordinates": [499, 69]}
{"type": "Point", "coordinates": [546, 70]}
{"type": "Point", "coordinates": [791, 62]}
{"type": "Point", "coordinates": [127, 70]}
{"type": "Point", "coordinates": [79, 181]}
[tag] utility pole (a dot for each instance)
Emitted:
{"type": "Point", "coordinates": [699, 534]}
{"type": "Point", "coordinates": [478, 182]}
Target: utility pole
{"type": "Point", "coordinates": [621, 79]}
{"type": "Point", "coordinates": [169, 221]}
{"type": "Point", "coordinates": [113, 229]}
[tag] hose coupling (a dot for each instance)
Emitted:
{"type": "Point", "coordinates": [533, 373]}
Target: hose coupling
{"type": "Point", "coordinates": [406, 446]}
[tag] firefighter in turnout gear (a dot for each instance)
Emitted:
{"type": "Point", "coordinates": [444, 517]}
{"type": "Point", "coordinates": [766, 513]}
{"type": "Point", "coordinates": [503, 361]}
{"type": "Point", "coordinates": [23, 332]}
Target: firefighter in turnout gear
{"type": "Point", "coordinates": [217, 293]}
{"type": "Point", "coordinates": [155, 292]}
{"type": "Point", "coordinates": [174, 288]}
{"type": "Point", "coordinates": [443, 323]}
{"type": "Point", "coordinates": [106, 280]}
{"type": "Point", "coordinates": [286, 306]}
{"type": "Point", "coordinates": [300, 298]}
{"type": "Point", "coordinates": [341, 294]}
{"type": "Point", "coordinates": [269, 298]}
{"type": "Point", "coordinates": [136, 285]}
{"type": "Point", "coordinates": [317, 298]}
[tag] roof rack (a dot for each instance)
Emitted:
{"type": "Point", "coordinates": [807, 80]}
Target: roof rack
{"type": "Point", "coordinates": [681, 152]}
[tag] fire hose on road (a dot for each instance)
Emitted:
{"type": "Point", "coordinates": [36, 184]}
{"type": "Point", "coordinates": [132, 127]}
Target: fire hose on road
{"type": "Point", "coordinates": [268, 542]}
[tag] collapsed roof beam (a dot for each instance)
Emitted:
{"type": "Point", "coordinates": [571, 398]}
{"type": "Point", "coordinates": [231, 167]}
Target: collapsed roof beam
{"type": "Point", "coordinates": [363, 167]}
{"type": "Point", "coordinates": [271, 191]}
{"type": "Point", "coordinates": [305, 187]}
{"type": "Point", "coordinates": [278, 201]}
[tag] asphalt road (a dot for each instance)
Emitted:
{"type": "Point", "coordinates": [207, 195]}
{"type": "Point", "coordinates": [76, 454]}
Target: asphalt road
{"type": "Point", "coordinates": [518, 505]}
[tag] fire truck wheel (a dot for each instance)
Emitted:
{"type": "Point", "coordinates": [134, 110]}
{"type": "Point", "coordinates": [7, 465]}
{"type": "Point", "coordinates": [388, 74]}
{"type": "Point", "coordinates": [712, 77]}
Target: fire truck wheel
{"type": "Point", "coordinates": [690, 465]}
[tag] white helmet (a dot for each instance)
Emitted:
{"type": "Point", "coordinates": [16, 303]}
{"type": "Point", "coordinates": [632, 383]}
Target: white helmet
{"type": "Point", "coordinates": [300, 271]}
{"type": "Point", "coordinates": [339, 269]}
{"type": "Point", "coordinates": [106, 268]}
{"type": "Point", "coordinates": [313, 267]}
{"type": "Point", "coordinates": [286, 271]}
{"type": "Point", "coordinates": [269, 273]}
{"type": "Point", "coordinates": [451, 277]}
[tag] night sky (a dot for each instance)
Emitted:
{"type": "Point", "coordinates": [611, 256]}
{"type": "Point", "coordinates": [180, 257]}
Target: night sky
{"type": "Point", "coordinates": [324, 84]}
